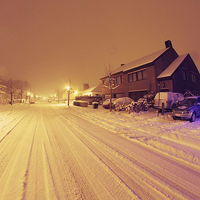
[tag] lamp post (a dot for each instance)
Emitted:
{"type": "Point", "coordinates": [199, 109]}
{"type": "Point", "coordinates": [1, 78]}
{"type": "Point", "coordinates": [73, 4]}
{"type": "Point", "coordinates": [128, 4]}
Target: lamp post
{"type": "Point", "coordinates": [28, 96]}
{"type": "Point", "coordinates": [158, 97]}
{"type": "Point", "coordinates": [69, 91]}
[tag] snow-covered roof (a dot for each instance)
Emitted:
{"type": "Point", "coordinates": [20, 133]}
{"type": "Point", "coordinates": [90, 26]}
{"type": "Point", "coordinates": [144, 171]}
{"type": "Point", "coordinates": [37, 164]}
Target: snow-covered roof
{"type": "Point", "coordinates": [172, 67]}
{"type": "Point", "coordinates": [2, 86]}
{"type": "Point", "coordinates": [96, 88]}
{"type": "Point", "coordinates": [140, 62]}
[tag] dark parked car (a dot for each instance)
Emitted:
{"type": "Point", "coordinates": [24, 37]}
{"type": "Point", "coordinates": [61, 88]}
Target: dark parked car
{"type": "Point", "coordinates": [189, 108]}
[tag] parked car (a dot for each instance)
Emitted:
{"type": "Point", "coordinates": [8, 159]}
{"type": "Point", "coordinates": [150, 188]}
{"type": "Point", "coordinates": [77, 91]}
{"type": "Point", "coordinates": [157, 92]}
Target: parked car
{"type": "Point", "coordinates": [106, 103]}
{"type": "Point", "coordinates": [170, 99]}
{"type": "Point", "coordinates": [189, 108]}
{"type": "Point", "coordinates": [121, 103]}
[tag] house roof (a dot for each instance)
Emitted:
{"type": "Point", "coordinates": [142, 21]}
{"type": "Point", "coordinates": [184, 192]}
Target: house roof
{"type": "Point", "coordinates": [96, 88]}
{"type": "Point", "coordinates": [172, 67]}
{"type": "Point", "coordinates": [2, 86]}
{"type": "Point", "coordinates": [140, 62]}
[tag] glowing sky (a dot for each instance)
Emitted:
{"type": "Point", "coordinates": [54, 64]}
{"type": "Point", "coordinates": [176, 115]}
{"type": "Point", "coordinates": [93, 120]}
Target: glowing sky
{"type": "Point", "coordinates": [49, 42]}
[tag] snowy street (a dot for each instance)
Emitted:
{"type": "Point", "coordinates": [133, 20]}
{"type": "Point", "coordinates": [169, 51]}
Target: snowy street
{"type": "Point", "coordinates": [51, 151]}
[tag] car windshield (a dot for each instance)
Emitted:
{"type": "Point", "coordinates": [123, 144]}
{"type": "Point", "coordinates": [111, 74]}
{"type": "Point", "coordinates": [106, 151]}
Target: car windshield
{"type": "Point", "coordinates": [188, 102]}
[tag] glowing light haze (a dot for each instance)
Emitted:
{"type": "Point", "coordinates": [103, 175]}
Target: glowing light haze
{"type": "Point", "coordinates": [49, 42]}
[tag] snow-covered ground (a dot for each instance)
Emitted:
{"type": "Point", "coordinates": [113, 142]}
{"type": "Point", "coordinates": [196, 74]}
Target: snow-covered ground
{"type": "Point", "coordinates": [177, 138]}
{"type": "Point", "coordinates": [52, 151]}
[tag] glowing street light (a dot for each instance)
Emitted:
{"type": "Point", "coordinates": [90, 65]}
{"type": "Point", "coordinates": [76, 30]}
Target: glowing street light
{"type": "Point", "coordinates": [75, 92]}
{"type": "Point", "coordinates": [28, 96]}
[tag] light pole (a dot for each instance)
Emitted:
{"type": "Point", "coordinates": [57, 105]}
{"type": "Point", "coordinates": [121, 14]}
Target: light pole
{"type": "Point", "coordinates": [158, 97]}
{"type": "Point", "coordinates": [28, 96]}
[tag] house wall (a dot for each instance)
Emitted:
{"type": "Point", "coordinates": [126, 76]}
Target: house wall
{"type": "Point", "coordinates": [147, 84]}
{"type": "Point", "coordinates": [181, 85]}
{"type": "Point", "coordinates": [166, 85]}
{"type": "Point", "coordinates": [163, 62]}
{"type": "Point", "coordinates": [117, 92]}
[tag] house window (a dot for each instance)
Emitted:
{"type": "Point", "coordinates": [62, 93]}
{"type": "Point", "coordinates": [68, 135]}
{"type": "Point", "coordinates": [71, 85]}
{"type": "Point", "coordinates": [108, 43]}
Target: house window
{"type": "Point", "coordinates": [137, 76]}
{"type": "Point", "coordinates": [118, 80]}
{"type": "Point", "coordinates": [194, 77]}
{"type": "Point", "coordinates": [115, 80]}
{"type": "Point", "coordinates": [130, 78]}
{"type": "Point", "coordinates": [184, 74]}
{"type": "Point", "coordinates": [144, 75]}
{"type": "Point", "coordinates": [134, 76]}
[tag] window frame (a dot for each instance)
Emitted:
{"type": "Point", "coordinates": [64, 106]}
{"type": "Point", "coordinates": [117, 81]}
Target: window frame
{"type": "Point", "coordinates": [193, 77]}
{"type": "Point", "coordinates": [184, 74]}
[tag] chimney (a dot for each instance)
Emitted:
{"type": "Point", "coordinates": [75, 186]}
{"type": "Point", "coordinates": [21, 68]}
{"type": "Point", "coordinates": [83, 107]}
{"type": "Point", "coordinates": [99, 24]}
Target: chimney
{"type": "Point", "coordinates": [85, 86]}
{"type": "Point", "coordinates": [122, 65]}
{"type": "Point", "coordinates": [168, 44]}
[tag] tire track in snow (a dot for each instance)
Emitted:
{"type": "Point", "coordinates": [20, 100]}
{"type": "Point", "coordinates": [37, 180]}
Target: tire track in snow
{"type": "Point", "coordinates": [14, 155]}
{"type": "Point", "coordinates": [172, 183]}
{"type": "Point", "coordinates": [12, 128]}
{"type": "Point", "coordinates": [122, 177]}
{"type": "Point", "coordinates": [93, 172]}
{"type": "Point", "coordinates": [75, 182]}
{"type": "Point", "coordinates": [27, 170]}
{"type": "Point", "coordinates": [48, 176]}
{"type": "Point", "coordinates": [38, 180]}
{"type": "Point", "coordinates": [104, 164]}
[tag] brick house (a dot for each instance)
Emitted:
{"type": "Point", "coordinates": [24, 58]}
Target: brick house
{"type": "Point", "coordinates": [163, 70]}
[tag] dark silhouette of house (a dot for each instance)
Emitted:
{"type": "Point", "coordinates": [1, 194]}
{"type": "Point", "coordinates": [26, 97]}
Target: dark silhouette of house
{"type": "Point", "coordinates": [163, 70]}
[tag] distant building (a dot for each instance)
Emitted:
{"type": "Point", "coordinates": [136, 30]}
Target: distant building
{"type": "Point", "coordinates": [85, 86]}
{"type": "Point", "coordinates": [93, 91]}
{"type": "Point", "coordinates": [3, 95]}
{"type": "Point", "coordinates": [163, 70]}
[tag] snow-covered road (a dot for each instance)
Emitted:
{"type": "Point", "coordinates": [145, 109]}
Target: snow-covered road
{"type": "Point", "coordinates": [50, 151]}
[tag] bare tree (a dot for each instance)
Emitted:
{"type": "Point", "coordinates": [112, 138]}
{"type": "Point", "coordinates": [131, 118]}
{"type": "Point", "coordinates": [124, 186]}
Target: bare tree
{"type": "Point", "coordinates": [59, 94]}
{"type": "Point", "coordinates": [111, 85]}
{"type": "Point", "coordinates": [21, 87]}
{"type": "Point", "coordinates": [16, 87]}
{"type": "Point", "coordinates": [10, 89]}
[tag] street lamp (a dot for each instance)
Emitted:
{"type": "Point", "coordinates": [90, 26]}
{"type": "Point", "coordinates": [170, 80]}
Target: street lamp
{"type": "Point", "coordinates": [28, 96]}
{"type": "Point", "coordinates": [69, 91]}
{"type": "Point", "coordinates": [75, 92]}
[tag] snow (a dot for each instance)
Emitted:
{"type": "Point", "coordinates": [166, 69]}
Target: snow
{"type": "Point", "coordinates": [52, 151]}
{"type": "Point", "coordinates": [160, 132]}
{"type": "Point", "coordinates": [172, 67]}
{"type": "Point", "coordinates": [140, 62]}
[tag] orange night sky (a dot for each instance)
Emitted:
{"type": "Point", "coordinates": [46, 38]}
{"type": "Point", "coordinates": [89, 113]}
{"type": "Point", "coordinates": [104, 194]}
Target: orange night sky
{"type": "Point", "coordinates": [48, 42]}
